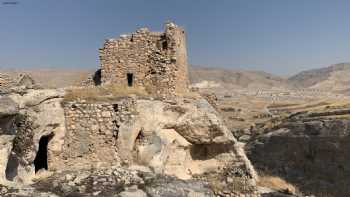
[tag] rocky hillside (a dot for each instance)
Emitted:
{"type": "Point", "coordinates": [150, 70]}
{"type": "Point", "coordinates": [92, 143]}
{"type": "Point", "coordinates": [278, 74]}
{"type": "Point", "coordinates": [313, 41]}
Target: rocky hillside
{"type": "Point", "coordinates": [151, 147]}
{"type": "Point", "coordinates": [309, 149]}
{"type": "Point", "coordinates": [236, 78]}
{"type": "Point", "coordinates": [335, 77]}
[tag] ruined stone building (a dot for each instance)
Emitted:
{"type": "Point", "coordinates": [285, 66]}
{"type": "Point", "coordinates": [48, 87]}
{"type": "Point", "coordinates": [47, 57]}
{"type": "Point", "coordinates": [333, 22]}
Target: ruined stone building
{"type": "Point", "coordinates": [5, 83]}
{"type": "Point", "coordinates": [154, 61]}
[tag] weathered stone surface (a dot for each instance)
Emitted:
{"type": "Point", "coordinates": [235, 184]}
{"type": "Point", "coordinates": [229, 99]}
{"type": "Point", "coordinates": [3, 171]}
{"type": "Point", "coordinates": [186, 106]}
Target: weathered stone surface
{"type": "Point", "coordinates": [133, 192]}
{"type": "Point", "coordinates": [6, 82]}
{"type": "Point", "coordinates": [35, 97]}
{"type": "Point", "coordinates": [7, 106]}
{"type": "Point", "coordinates": [28, 125]}
{"type": "Point", "coordinates": [127, 132]}
{"type": "Point", "coordinates": [153, 61]}
{"type": "Point", "coordinates": [309, 152]}
{"type": "Point", "coordinates": [201, 125]}
{"type": "Point", "coordinates": [5, 151]}
{"type": "Point", "coordinates": [168, 186]}
{"type": "Point", "coordinates": [148, 132]}
{"type": "Point", "coordinates": [8, 111]}
{"type": "Point", "coordinates": [116, 181]}
{"type": "Point", "coordinates": [26, 81]}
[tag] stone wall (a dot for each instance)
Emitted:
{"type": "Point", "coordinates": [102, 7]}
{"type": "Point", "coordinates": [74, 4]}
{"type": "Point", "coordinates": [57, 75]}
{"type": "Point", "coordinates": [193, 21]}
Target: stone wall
{"type": "Point", "coordinates": [154, 61]}
{"type": "Point", "coordinates": [92, 129]}
{"type": "Point", "coordinates": [5, 83]}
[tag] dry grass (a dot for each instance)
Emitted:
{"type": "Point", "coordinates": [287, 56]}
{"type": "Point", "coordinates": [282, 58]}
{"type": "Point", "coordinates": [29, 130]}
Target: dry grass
{"type": "Point", "coordinates": [101, 93]}
{"type": "Point", "coordinates": [276, 183]}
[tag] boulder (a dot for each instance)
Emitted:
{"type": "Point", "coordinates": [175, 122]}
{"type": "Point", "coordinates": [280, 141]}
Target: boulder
{"type": "Point", "coordinates": [7, 107]}
{"type": "Point", "coordinates": [202, 125]}
{"type": "Point", "coordinates": [181, 138]}
{"type": "Point", "coordinates": [33, 98]}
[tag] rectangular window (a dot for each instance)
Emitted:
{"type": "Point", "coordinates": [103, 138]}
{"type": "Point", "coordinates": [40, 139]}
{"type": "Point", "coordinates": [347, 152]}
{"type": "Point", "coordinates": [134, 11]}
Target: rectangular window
{"type": "Point", "coordinates": [130, 78]}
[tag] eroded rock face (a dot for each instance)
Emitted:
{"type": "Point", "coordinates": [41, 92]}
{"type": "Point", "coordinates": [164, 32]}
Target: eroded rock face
{"type": "Point", "coordinates": [169, 136]}
{"type": "Point", "coordinates": [309, 151]}
{"type": "Point", "coordinates": [25, 124]}
{"type": "Point", "coordinates": [7, 106]}
{"type": "Point", "coordinates": [182, 138]}
{"type": "Point", "coordinates": [8, 111]}
{"type": "Point", "coordinates": [110, 182]}
{"type": "Point", "coordinates": [201, 125]}
{"type": "Point", "coordinates": [151, 133]}
{"type": "Point", "coordinates": [5, 151]}
{"type": "Point", "coordinates": [185, 139]}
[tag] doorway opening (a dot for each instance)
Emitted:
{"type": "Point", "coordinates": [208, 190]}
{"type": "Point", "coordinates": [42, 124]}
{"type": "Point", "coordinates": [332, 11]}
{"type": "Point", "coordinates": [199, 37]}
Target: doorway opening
{"type": "Point", "coordinates": [130, 78]}
{"type": "Point", "coordinates": [12, 167]}
{"type": "Point", "coordinates": [40, 161]}
{"type": "Point", "coordinates": [165, 45]}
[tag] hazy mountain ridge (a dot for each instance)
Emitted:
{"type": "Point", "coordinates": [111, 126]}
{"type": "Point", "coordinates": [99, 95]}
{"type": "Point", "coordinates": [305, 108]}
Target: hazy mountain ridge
{"type": "Point", "coordinates": [318, 78]}
{"type": "Point", "coordinates": [333, 78]}
{"type": "Point", "coordinates": [238, 78]}
{"type": "Point", "coordinates": [54, 77]}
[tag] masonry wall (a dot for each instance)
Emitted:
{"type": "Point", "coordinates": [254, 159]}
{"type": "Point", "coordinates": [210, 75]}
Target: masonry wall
{"type": "Point", "coordinates": [157, 61]}
{"type": "Point", "coordinates": [5, 83]}
{"type": "Point", "coordinates": [92, 131]}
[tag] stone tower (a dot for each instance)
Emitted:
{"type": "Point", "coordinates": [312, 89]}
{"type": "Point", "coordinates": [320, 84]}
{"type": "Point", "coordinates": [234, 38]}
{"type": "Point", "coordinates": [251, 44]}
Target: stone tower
{"type": "Point", "coordinates": [154, 61]}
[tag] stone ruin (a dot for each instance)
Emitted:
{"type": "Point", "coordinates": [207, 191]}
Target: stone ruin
{"type": "Point", "coordinates": [178, 137]}
{"type": "Point", "coordinates": [5, 82]}
{"type": "Point", "coordinates": [16, 84]}
{"type": "Point", "coordinates": [154, 61]}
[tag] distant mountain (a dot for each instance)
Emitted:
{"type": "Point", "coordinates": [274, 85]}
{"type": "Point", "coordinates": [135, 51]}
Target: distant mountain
{"type": "Point", "coordinates": [332, 78]}
{"type": "Point", "coordinates": [335, 78]}
{"type": "Point", "coordinates": [225, 78]}
{"type": "Point", "coordinates": [236, 78]}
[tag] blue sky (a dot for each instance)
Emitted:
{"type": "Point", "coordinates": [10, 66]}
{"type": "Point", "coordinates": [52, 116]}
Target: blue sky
{"type": "Point", "coordinates": [277, 36]}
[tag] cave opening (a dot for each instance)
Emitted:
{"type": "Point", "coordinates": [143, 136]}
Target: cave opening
{"type": "Point", "coordinates": [12, 167]}
{"type": "Point", "coordinates": [40, 161]}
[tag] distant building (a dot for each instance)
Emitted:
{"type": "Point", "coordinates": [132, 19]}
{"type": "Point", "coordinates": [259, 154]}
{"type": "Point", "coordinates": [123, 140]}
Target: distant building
{"type": "Point", "coordinates": [155, 61]}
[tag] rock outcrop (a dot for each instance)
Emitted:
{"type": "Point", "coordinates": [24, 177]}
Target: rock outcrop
{"type": "Point", "coordinates": [112, 181]}
{"type": "Point", "coordinates": [181, 143]}
{"type": "Point", "coordinates": [309, 150]}
{"type": "Point", "coordinates": [19, 84]}
{"type": "Point", "coordinates": [25, 120]}
{"type": "Point", "coordinates": [8, 112]}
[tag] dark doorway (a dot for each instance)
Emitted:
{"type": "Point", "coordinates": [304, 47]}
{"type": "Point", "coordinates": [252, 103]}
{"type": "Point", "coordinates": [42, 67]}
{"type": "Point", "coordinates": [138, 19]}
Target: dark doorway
{"type": "Point", "coordinates": [12, 167]}
{"type": "Point", "coordinates": [165, 45]}
{"type": "Point", "coordinates": [130, 77]}
{"type": "Point", "coordinates": [97, 77]}
{"type": "Point", "coordinates": [40, 161]}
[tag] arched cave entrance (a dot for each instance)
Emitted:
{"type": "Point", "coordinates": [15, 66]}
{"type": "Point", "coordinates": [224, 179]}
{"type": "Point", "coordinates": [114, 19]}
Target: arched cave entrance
{"type": "Point", "coordinates": [40, 161]}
